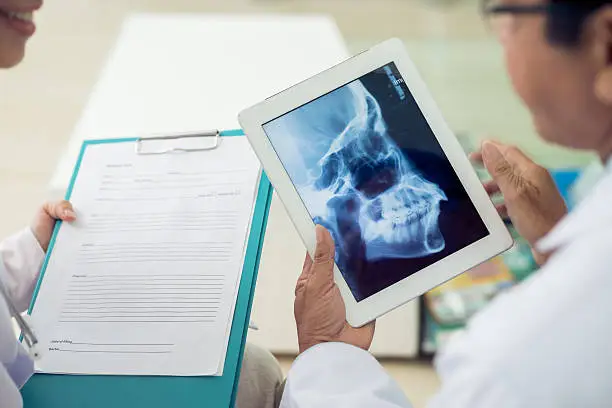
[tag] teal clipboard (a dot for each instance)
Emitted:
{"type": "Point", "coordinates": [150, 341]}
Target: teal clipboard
{"type": "Point", "coordinates": [91, 391]}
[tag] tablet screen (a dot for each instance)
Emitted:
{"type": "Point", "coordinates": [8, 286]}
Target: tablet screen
{"type": "Point", "coordinates": [368, 167]}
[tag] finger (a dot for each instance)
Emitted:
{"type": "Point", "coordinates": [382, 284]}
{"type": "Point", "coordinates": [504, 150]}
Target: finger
{"type": "Point", "coordinates": [515, 156]}
{"type": "Point", "coordinates": [361, 336]}
{"type": "Point", "coordinates": [502, 171]}
{"type": "Point", "coordinates": [476, 157]}
{"type": "Point", "coordinates": [60, 210]}
{"type": "Point", "coordinates": [305, 275]}
{"type": "Point", "coordinates": [491, 187]}
{"type": "Point", "coordinates": [324, 250]}
{"type": "Point", "coordinates": [300, 286]}
{"type": "Point", "coordinates": [502, 210]}
{"type": "Point", "coordinates": [322, 268]}
{"type": "Point", "coordinates": [512, 154]}
{"type": "Point", "coordinates": [307, 266]}
{"type": "Point", "coordinates": [370, 327]}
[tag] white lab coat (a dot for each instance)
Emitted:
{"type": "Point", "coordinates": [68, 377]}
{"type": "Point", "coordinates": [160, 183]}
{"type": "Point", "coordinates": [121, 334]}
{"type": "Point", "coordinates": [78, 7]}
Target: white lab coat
{"type": "Point", "coordinates": [21, 258]}
{"type": "Point", "coordinates": [544, 343]}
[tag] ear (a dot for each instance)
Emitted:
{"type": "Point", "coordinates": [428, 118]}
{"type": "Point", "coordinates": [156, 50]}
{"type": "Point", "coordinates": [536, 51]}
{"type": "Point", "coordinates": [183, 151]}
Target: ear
{"type": "Point", "coordinates": [599, 29]}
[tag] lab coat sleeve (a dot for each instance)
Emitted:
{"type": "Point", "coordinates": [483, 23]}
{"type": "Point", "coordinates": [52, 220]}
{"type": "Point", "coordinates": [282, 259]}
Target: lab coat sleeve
{"type": "Point", "coordinates": [470, 380]}
{"type": "Point", "coordinates": [22, 258]}
{"type": "Point", "coordinates": [340, 376]}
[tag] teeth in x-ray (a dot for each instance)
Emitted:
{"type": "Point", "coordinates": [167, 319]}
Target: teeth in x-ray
{"type": "Point", "coordinates": [401, 221]}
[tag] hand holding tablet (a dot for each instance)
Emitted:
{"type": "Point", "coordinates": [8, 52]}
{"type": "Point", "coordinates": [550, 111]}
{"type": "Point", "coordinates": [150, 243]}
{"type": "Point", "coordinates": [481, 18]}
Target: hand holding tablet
{"type": "Point", "coordinates": [363, 150]}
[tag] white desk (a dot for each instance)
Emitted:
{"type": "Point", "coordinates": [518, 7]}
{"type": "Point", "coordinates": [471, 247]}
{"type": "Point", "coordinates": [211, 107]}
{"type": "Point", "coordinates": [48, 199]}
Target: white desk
{"type": "Point", "coordinates": [173, 73]}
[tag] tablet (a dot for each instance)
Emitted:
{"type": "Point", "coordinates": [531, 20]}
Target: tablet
{"type": "Point", "coordinates": [363, 150]}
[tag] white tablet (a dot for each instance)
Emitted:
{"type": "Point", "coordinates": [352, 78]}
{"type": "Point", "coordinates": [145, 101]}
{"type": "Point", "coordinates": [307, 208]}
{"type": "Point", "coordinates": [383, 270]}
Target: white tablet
{"type": "Point", "coordinates": [363, 150]}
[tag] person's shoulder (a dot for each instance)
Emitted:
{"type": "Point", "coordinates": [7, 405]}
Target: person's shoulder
{"type": "Point", "coordinates": [588, 253]}
{"type": "Point", "coordinates": [578, 275]}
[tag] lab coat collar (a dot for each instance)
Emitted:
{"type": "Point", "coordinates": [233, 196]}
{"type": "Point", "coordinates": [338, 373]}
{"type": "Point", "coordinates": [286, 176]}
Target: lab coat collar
{"type": "Point", "coordinates": [592, 214]}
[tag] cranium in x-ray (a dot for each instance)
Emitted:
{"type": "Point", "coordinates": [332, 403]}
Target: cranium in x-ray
{"type": "Point", "coordinates": [357, 171]}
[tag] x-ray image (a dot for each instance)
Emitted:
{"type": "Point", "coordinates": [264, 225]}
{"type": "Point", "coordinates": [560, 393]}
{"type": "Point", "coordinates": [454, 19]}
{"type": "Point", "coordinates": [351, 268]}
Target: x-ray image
{"type": "Point", "coordinates": [367, 167]}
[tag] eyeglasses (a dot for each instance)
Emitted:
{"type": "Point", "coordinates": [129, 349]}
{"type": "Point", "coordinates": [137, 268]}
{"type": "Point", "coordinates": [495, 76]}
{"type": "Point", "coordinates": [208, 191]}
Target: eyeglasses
{"type": "Point", "coordinates": [500, 17]}
{"type": "Point", "coordinates": [497, 9]}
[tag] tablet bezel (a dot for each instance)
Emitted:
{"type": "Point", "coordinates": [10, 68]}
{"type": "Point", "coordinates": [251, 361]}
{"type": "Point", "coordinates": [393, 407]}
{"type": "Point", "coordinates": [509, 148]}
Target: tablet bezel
{"type": "Point", "coordinates": [253, 119]}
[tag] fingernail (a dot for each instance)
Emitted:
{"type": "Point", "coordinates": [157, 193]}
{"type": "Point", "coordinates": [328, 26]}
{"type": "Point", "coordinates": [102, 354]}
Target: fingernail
{"type": "Point", "coordinates": [69, 214]}
{"type": "Point", "coordinates": [490, 152]}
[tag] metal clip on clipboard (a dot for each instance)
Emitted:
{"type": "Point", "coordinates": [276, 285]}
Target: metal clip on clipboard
{"type": "Point", "coordinates": [214, 135]}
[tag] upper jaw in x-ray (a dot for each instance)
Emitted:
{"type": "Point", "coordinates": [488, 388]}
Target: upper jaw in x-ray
{"type": "Point", "coordinates": [358, 173]}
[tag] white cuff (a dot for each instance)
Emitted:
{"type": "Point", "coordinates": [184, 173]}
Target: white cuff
{"type": "Point", "coordinates": [340, 375]}
{"type": "Point", "coordinates": [22, 257]}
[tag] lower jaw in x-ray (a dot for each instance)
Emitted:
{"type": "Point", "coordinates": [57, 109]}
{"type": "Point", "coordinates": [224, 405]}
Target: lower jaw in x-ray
{"type": "Point", "coordinates": [364, 176]}
{"type": "Point", "coordinates": [403, 230]}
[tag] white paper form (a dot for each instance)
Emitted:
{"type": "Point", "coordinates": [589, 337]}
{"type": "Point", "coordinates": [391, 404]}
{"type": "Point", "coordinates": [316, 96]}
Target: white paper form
{"type": "Point", "coordinates": [145, 282]}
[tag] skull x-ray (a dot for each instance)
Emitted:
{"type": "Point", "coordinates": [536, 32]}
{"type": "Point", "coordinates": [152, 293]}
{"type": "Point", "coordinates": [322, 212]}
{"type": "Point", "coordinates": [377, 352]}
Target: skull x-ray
{"type": "Point", "coordinates": [353, 156]}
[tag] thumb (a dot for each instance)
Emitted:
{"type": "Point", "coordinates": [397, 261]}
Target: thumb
{"type": "Point", "coordinates": [304, 276]}
{"type": "Point", "coordinates": [323, 261]}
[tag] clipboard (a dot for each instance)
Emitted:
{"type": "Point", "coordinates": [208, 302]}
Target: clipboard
{"type": "Point", "coordinates": [94, 391]}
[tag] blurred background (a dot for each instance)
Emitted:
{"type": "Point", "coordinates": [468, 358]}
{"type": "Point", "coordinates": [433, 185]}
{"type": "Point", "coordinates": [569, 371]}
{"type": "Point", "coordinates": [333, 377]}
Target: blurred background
{"type": "Point", "coordinates": [43, 101]}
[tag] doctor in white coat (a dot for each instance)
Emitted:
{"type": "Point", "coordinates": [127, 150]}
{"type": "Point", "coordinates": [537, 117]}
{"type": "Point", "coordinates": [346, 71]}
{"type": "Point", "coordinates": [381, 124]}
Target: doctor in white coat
{"type": "Point", "coordinates": [545, 343]}
{"type": "Point", "coordinates": [21, 257]}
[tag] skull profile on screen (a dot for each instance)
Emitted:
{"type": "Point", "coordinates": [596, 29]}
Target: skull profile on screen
{"type": "Point", "coordinates": [356, 171]}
